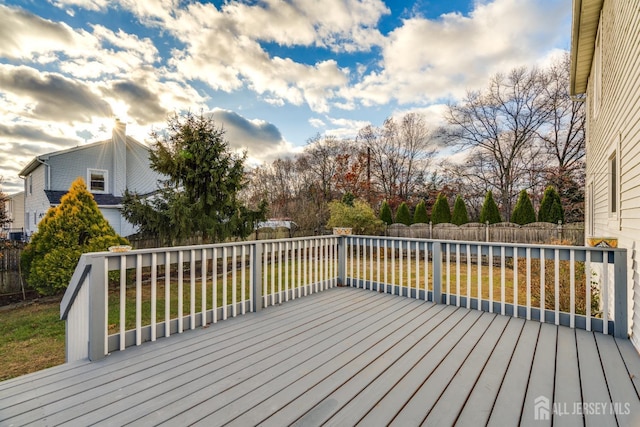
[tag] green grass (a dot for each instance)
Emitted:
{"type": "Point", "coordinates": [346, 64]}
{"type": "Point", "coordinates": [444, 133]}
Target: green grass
{"type": "Point", "coordinates": [32, 339]}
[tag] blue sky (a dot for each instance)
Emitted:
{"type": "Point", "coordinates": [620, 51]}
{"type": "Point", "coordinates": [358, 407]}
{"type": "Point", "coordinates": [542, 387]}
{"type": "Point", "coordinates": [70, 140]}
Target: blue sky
{"type": "Point", "coordinates": [273, 73]}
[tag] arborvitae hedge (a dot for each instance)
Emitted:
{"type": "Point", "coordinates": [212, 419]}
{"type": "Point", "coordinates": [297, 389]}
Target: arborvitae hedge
{"type": "Point", "coordinates": [551, 206]}
{"type": "Point", "coordinates": [385, 213]}
{"type": "Point", "coordinates": [459, 215]}
{"type": "Point", "coordinates": [523, 213]}
{"type": "Point", "coordinates": [440, 213]}
{"type": "Point", "coordinates": [489, 211]}
{"type": "Point", "coordinates": [420, 215]}
{"type": "Point", "coordinates": [403, 216]}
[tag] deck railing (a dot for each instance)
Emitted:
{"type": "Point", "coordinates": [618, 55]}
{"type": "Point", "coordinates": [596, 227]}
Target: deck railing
{"type": "Point", "coordinates": [117, 300]}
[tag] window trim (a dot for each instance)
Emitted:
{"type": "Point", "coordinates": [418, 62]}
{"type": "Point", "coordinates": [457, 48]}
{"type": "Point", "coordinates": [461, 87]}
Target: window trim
{"type": "Point", "coordinates": [105, 175]}
{"type": "Point", "coordinates": [613, 187]}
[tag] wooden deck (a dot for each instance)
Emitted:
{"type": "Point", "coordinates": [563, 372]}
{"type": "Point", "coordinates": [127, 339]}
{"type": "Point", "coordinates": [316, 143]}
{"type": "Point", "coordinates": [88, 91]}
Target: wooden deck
{"type": "Point", "coordinates": [345, 357]}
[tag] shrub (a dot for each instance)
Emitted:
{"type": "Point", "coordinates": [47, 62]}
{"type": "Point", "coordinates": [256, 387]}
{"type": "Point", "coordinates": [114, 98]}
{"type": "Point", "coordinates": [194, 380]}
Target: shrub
{"type": "Point", "coordinates": [403, 216]}
{"type": "Point", "coordinates": [489, 211]}
{"type": "Point", "coordinates": [360, 217]}
{"type": "Point", "coordinates": [420, 215]}
{"type": "Point", "coordinates": [523, 213]}
{"type": "Point", "coordinates": [385, 213]}
{"type": "Point", "coordinates": [550, 206]}
{"type": "Point", "coordinates": [459, 215]}
{"type": "Point", "coordinates": [72, 228]}
{"type": "Point", "coordinates": [440, 213]}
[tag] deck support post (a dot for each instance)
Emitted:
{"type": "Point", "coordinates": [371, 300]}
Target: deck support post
{"type": "Point", "coordinates": [98, 285]}
{"type": "Point", "coordinates": [620, 294]}
{"type": "Point", "coordinates": [342, 261]}
{"type": "Point", "coordinates": [256, 273]}
{"type": "Point", "coordinates": [437, 272]}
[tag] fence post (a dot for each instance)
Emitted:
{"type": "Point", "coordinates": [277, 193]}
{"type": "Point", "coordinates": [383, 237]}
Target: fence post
{"type": "Point", "coordinates": [559, 228]}
{"type": "Point", "coordinates": [342, 260]}
{"type": "Point", "coordinates": [98, 282]}
{"type": "Point", "coordinates": [486, 234]}
{"type": "Point", "coordinates": [256, 273]}
{"type": "Point", "coordinates": [620, 294]}
{"type": "Point", "coordinates": [437, 272]}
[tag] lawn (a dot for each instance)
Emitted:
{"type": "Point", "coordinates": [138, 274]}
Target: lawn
{"type": "Point", "coordinates": [32, 338]}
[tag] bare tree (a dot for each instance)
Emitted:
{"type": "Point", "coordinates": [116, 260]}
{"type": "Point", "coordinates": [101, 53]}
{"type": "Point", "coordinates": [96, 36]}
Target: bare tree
{"type": "Point", "coordinates": [500, 125]}
{"type": "Point", "coordinates": [400, 155]}
{"type": "Point", "coordinates": [4, 215]}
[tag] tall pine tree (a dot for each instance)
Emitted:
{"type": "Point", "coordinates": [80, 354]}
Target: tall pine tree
{"type": "Point", "coordinates": [403, 216]}
{"type": "Point", "coordinates": [459, 215]}
{"type": "Point", "coordinates": [523, 213]}
{"type": "Point", "coordinates": [490, 211]}
{"type": "Point", "coordinates": [420, 215]}
{"type": "Point", "coordinates": [441, 213]}
{"type": "Point", "coordinates": [385, 213]}
{"type": "Point", "coordinates": [551, 206]}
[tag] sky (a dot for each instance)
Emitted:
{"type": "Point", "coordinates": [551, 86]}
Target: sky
{"type": "Point", "coordinates": [272, 73]}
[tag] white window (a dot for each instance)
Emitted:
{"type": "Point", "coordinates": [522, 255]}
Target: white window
{"type": "Point", "coordinates": [597, 72]}
{"type": "Point", "coordinates": [30, 184]}
{"type": "Point", "coordinates": [97, 180]}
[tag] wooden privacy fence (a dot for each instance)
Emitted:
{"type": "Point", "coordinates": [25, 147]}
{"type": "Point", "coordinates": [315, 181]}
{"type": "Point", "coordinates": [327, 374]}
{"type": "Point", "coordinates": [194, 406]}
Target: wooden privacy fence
{"type": "Point", "coordinates": [10, 281]}
{"type": "Point", "coordinates": [537, 232]}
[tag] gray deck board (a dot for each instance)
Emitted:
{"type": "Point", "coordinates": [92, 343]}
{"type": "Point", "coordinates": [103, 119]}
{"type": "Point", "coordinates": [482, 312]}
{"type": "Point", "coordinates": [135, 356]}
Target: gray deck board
{"type": "Point", "coordinates": [341, 357]}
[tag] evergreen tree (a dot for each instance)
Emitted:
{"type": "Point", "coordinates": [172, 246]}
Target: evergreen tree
{"type": "Point", "coordinates": [441, 213]}
{"type": "Point", "coordinates": [550, 206]}
{"type": "Point", "coordinates": [200, 194]}
{"type": "Point", "coordinates": [489, 211]}
{"type": "Point", "coordinates": [420, 215]}
{"type": "Point", "coordinates": [523, 213]}
{"type": "Point", "coordinates": [459, 215]}
{"type": "Point", "coordinates": [403, 216]}
{"type": "Point", "coordinates": [385, 213]}
{"type": "Point", "coordinates": [348, 198]}
{"type": "Point", "coordinates": [72, 228]}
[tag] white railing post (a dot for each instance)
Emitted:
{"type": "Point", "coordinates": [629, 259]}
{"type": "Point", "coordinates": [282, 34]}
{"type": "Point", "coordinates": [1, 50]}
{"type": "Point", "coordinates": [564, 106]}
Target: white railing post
{"type": "Point", "coordinates": [437, 272]}
{"type": "Point", "coordinates": [98, 285]}
{"type": "Point", "coordinates": [342, 260]}
{"type": "Point", "coordinates": [256, 272]}
{"type": "Point", "coordinates": [620, 294]}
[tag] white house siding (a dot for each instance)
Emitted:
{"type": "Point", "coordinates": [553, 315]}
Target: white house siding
{"type": "Point", "coordinates": [618, 123]}
{"type": "Point", "coordinates": [67, 166]}
{"type": "Point", "coordinates": [141, 178]}
{"type": "Point", "coordinates": [36, 203]}
{"type": "Point", "coordinates": [14, 206]}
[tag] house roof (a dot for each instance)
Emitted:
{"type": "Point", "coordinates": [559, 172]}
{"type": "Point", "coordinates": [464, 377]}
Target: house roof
{"type": "Point", "coordinates": [101, 199]}
{"type": "Point", "coordinates": [586, 16]}
{"type": "Point", "coordinates": [33, 164]}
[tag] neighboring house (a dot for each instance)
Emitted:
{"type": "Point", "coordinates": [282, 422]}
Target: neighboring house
{"type": "Point", "coordinates": [14, 207]}
{"type": "Point", "coordinates": [605, 48]}
{"type": "Point", "coordinates": [108, 168]}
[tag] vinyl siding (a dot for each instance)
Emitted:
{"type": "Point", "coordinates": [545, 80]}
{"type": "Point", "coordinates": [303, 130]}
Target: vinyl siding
{"type": "Point", "coordinates": [618, 120]}
{"type": "Point", "coordinates": [35, 202]}
{"type": "Point", "coordinates": [141, 178]}
{"type": "Point", "coordinates": [66, 167]}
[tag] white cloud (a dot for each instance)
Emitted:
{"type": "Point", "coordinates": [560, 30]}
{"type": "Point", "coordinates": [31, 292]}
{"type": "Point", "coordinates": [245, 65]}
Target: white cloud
{"type": "Point", "coordinates": [316, 123]}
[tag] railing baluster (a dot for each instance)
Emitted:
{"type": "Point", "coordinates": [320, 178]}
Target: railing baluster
{"type": "Point", "coordinates": [502, 280]}
{"type": "Point", "coordinates": [180, 290]}
{"type": "Point", "coordinates": [234, 281]}
{"type": "Point", "coordinates": [251, 261]}
{"type": "Point", "coordinates": [557, 286]}
{"type": "Point", "coordinates": [417, 271]}
{"type": "Point", "coordinates": [468, 275]}
{"type": "Point", "coordinates": [286, 271]}
{"type": "Point", "coordinates": [371, 264]}
{"type": "Point", "coordinates": [214, 284]}
{"type": "Point", "coordinates": [479, 262]}
{"type": "Point", "coordinates": [316, 256]}
{"type": "Point", "coordinates": [587, 273]}
{"type": "Point", "coordinates": [515, 282]}
{"type": "Point", "coordinates": [543, 286]}
{"type": "Point", "coordinates": [225, 301]}
{"type": "Point", "coordinates": [243, 278]}
{"type": "Point", "coordinates": [299, 247]}
{"type": "Point", "coordinates": [457, 274]}
{"type": "Point", "coordinates": [604, 289]}
{"type": "Point", "coordinates": [358, 261]}
{"type": "Point", "coordinates": [138, 299]}
{"type": "Point", "coordinates": [528, 260]}
{"type": "Point", "coordinates": [401, 266]}
{"type": "Point", "coordinates": [279, 272]}
{"type": "Point", "coordinates": [203, 289]}
{"type": "Point", "coordinates": [273, 273]}
{"type": "Point", "coordinates": [167, 294]}
{"type": "Point", "coordinates": [448, 270]}
{"type": "Point", "coordinates": [393, 267]}
{"type": "Point", "coordinates": [490, 279]}
{"type": "Point", "coordinates": [426, 271]}
{"type": "Point", "coordinates": [572, 289]}
{"type": "Point", "coordinates": [123, 300]}
{"type": "Point", "coordinates": [192, 294]}
{"type": "Point", "coordinates": [154, 293]}
{"type": "Point", "coordinates": [306, 267]}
